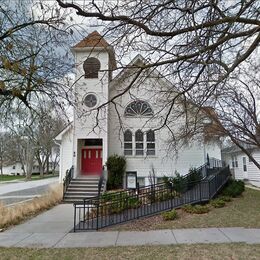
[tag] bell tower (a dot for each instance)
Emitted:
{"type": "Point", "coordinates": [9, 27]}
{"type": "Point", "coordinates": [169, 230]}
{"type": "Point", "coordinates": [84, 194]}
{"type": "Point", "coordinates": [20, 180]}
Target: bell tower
{"type": "Point", "coordinates": [94, 63]}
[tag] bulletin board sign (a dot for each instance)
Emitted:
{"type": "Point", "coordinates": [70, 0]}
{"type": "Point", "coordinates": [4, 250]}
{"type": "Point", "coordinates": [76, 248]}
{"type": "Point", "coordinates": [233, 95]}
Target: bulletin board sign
{"type": "Point", "coordinates": [131, 180]}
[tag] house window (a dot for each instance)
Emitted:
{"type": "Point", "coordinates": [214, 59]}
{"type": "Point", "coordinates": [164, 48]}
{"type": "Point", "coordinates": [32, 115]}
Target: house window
{"type": "Point", "coordinates": [91, 67]}
{"type": "Point", "coordinates": [160, 180]}
{"type": "Point", "coordinates": [234, 162]}
{"type": "Point", "coordinates": [139, 142]}
{"type": "Point", "coordinates": [128, 143]}
{"type": "Point", "coordinates": [150, 142]}
{"type": "Point", "coordinates": [138, 108]}
{"type": "Point", "coordinates": [141, 181]}
{"type": "Point", "coordinates": [244, 164]}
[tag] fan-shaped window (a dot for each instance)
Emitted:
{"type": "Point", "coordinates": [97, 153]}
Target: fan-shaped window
{"type": "Point", "coordinates": [139, 142]}
{"type": "Point", "coordinates": [138, 108]}
{"type": "Point", "coordinates": [150, 142]}
{"type": "Point", "coordinates": [128, 144]}
{"type": "Point", "coordinates": [91, 67]}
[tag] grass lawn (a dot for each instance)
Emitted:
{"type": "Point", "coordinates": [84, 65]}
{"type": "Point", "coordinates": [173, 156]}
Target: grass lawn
{"type": "Point", "coordinates": [16, 214]}
{"type": "Point", "coordinates": [240, 212]}
{"type": "Point", "coordinates": [19, 177]}
{"type": "Point", "coordinates": [199, 252]}
{"type": "Point", "coordinates": [10, 177]}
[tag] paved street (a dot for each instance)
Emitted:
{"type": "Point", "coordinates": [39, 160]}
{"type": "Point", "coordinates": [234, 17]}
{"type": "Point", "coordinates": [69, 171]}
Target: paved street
{"type": "Point", "coordinates": [53, 229]}
{"type": "Point", "coordinates": [13, 192]}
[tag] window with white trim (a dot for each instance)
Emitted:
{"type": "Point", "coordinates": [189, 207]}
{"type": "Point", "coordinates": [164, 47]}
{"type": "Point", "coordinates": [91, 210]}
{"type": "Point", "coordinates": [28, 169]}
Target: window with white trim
{"type": "Point", "coordinates": [244, 164]}
{"type": "Point", "coordinates": [139, 142]}
{"type": "Point", "coordinates": [128, 143]}
{"type": "Point", "coordinates": [234, 162]}
{"type": "Point", "coordinates": [150, 143]}
{"type": "Point", "coordinates": [138, 108]}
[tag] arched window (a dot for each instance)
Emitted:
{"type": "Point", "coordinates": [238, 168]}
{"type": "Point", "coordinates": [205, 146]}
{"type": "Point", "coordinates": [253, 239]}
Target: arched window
{"type": "Point", "coordinates": [128, 143]}
{"type": "Point", "coordinates": [150, 142]}
{"type": "Point", "coordinates": [91, 67]}
{"type": "Point", "coordinates": [139, 142]}
{"type": "Point", "coordinates": [138, 108]}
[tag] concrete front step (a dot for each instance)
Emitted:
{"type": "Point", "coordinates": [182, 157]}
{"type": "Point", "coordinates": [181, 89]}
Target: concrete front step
{"type": "Point", "coordinates": [76, 198]}
{"type": "Point", "coordinates": [85, 179]}
{"type": "Point", "coordinates": [84, 182]}
{"type": "Point", "coordinates": [81, 192]}
{"type": "Point", "coordinates": [82, 188]}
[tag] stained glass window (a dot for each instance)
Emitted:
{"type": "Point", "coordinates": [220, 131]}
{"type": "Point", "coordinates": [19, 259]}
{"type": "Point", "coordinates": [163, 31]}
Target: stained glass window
{"type": "Point", "coordinates": [128, 144]}
{"type": "Point", "coordinates": [139, 142]}
{"type": "Point", "coordinates": [138, 108]}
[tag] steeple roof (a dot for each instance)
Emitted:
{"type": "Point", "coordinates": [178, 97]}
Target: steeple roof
{"type": "Point", "coordinates": [94, 39]}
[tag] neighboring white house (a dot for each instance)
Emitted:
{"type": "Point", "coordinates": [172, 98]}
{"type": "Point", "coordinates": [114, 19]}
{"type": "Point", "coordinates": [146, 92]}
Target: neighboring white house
{"type": "Point", "coordinates": [125, 127]}
{"type": "Point", "coordinates": [16, 168]}
{"type": "Point", "coordinates": [240, 164]}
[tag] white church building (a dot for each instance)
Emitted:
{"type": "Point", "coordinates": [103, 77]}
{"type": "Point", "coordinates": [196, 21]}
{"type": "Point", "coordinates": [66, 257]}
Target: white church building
{"type": "Point", "coordinates": [128, 125]}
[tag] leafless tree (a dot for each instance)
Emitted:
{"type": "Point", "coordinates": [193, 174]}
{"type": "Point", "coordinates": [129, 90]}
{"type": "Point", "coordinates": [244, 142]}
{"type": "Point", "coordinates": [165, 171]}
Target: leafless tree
{"type": "Point", "coordinates": [30, 139]}
{"type": "Point", "coordinates": [33, 63]}
{"type": "Point", "coordinates": [237, 107]}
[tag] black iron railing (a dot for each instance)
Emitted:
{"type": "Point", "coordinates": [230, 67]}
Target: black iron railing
{"type": "Point", "coordinates": [102, 182]}
{"type": "Point", "coordinates": [67, 179]}
{"type": "Point", "coordinates": [114, 208]}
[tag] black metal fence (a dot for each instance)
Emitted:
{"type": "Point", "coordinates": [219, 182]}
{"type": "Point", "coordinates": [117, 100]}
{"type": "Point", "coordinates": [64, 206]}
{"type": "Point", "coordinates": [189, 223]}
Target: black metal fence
{"type": "Point", "coordinates": [114, 208]}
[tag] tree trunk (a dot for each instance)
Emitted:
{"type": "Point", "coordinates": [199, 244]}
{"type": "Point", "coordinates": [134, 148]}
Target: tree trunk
{"type": "Point", "coordinates": [41, 170]}
{"type": "Point", "coordinates": [47, 164]}
{"type": "Point", "coordinates": [1, 165]}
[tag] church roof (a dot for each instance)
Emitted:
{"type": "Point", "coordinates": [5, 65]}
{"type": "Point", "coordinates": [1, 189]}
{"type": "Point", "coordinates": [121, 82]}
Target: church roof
{"type": "Point", "coordinates": [94, 39]}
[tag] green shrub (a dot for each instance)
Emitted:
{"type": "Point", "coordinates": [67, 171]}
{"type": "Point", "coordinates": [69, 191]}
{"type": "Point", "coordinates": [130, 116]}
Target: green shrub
{"type": "Point", "coordinates": [113, 196]}
{"type": "Point", "coordinates": [133, 203]}
{"type": "Point", "coordinates": [170, 215]}
{"type": "Point", "coordinates": [218, 203]}
{"type": "Point", "coordinates": [225, 198]}
{"type": "Point", "coordinates": [167, 181]}
{"type": "Point", "coordinates": [196, 209]}
{"type": "Point", "coordinates": [116, 168]}
{"type": "Point", "coordinates": [234, 188]}
{"type": "Point", "coordinates": [179, 183]}
{"type": "Point", "coordinates": [193, 177]}
{"type": "Point", "coordinates": [167, 195]}
{"type": "Point", "coordinates": [116, 202]}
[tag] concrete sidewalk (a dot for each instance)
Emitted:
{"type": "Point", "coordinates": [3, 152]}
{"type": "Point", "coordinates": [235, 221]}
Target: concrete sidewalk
{"type": "Point", "coordinates": [52, 230]}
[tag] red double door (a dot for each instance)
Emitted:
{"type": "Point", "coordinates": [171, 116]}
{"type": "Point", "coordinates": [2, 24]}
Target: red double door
{"type": "Point", "coordinates": [91, 161]}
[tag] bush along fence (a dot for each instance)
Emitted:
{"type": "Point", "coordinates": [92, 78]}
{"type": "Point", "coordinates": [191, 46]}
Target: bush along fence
{"type": "Point", "coordinates": [122, 206]}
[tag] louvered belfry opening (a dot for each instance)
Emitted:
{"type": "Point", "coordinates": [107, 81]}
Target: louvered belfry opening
{"type": "Point", "coordinates": [91, 67]}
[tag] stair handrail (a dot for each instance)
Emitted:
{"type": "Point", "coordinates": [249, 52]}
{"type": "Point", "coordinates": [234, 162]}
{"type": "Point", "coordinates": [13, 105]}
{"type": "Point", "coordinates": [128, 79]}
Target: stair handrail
{"type": "Point", "coordinates": [102, 182]}
{"type": "Point", "coordinates": [67, 179]}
